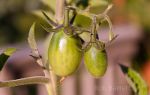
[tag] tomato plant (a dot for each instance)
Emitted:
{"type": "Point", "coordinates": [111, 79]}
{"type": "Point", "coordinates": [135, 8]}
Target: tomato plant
{"type": "Point", "coordinates": [74, 35]}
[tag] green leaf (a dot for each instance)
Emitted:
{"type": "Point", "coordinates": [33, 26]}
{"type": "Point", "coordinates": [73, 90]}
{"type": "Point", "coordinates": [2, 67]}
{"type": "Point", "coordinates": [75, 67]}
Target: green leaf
{"type": "Point", "coordinates": [5, 55]}
{"type": "Point", "coordinates": [32, 43]}
{"type": "Point", "coordinates": [9, 51]}
{"type": "Point", "coordinates": [83, 20]}
{"type": "Point", "coordinates": [97, 6]}
{"type": "Point", "coordinates": [31, 38]}
{"type": "Point", "coordinates": [98, 2]}
{"type": "Point", "coordinates": [134, 79]}
{"type": "Point", "coordinates": [85, 36]}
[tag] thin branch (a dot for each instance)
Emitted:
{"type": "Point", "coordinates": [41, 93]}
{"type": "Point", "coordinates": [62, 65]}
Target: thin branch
{"type": "Point", "coordinates": [24, 81]}
{"type": "Point", "coordinates": [110, 27]}
{"type": "Point", "coordinates": [66, 17]}
{"type": "Point", "coordinates": [60, 4]}
{"type": "Point", "coordinates": [93, 29]}
{"type": "Point", "coordinates": [108, 9]}
{"type": "Point", "coordinates": [102, 15]}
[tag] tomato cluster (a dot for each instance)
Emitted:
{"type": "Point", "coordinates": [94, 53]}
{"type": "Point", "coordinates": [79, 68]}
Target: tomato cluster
{"type": "Point", "coordinates": [66, 48]}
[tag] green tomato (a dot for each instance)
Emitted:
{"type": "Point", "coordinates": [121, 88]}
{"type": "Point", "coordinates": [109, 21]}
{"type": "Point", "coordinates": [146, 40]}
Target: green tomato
{"type": "Point", "coordinates": [95, 61]}
{"type": "Point", "coordinates": [64, 53]}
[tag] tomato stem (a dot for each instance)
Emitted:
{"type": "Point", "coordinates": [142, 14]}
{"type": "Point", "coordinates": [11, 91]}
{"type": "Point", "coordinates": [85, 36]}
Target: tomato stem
{"type": "Point", "coordinates": [25, 81]}
{"type": "Point", "coordinates": [66, 17]}
{"type": "Point", "coordinates": [93, 30]}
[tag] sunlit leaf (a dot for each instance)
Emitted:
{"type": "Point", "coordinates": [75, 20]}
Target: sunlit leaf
{"type": "Point", "coordinates": [9, 51]}
{"type": "Point", "coordinates": [85, 36]}
{"type": "Point", "coordinates": [5, 55]}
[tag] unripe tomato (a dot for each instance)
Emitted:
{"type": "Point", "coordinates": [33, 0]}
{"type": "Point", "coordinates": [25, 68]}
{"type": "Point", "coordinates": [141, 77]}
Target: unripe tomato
{"type": "Point", "coordinates": [64, 53]}
{"type": "Point", "coordinates": [95, 61]}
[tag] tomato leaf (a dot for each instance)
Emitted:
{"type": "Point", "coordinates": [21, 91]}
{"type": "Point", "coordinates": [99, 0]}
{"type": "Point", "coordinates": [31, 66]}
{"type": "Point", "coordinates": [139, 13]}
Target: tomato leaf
{"type": "Point", "coordinates": [134, 79]}
{"type": "Point", "coordinates": [83, 20]}
{"type": "Point", "coordinates": [97, 6]}
{"type": "Point", "coordinates": [32, 43]}
{"type": "Point", "coordinates": [31, 38]}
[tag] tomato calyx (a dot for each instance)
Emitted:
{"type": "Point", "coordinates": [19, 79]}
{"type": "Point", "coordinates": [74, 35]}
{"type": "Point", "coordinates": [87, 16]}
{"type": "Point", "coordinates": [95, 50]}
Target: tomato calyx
{"type": "Point", "coordinates": [94, 39]}
{"type": "Point", "coordinates": [98, 45]}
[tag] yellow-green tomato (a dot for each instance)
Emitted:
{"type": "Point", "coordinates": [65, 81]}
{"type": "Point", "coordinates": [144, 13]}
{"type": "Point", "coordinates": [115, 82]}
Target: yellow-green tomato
{"type": "Point", "coordinates": [64, 53]}
{"type": "Point", "coordinates": [95, 61]}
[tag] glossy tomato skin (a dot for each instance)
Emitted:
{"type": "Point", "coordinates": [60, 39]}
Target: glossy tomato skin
{"type": "Point", "coordinates": [95, 61]}
{"type": "Point", "coordinates": [64, 53]}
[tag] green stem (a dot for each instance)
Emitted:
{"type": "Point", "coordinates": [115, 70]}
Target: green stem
{"type": "Point", "coordinates": [51, 86]}
{"type": "Point", "coordinates": [66, 17]}
{"type": "Point", "coordinates": [111, 34]}
{"type": "Point", "coordinates": [108, 9]}
{"type": "Point", "coordinates": [93, 30]}
{"type": "Point", "coordinates": [106, 17]}
{"type": "Point", "coordinates": [60, 4]}
{"type": "Point", "coordinates": [24, 81]}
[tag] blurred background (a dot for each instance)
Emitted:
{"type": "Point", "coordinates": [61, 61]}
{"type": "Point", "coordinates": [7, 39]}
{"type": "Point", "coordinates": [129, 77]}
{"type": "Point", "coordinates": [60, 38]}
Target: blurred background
{"type": "Point", "coordinates": [131, 21]}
